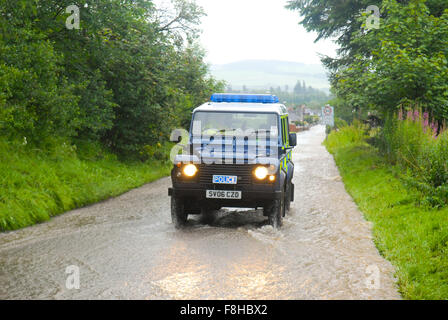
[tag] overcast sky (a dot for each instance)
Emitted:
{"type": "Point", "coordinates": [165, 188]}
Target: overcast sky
{"type": "Point", "coordinates": [236, 30]}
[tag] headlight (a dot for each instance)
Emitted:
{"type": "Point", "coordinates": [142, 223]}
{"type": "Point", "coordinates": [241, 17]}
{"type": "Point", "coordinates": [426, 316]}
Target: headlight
{"type": "Point", "coordinates": [261, 173]}
{"type": "Point", "coordinates": [190, 170]}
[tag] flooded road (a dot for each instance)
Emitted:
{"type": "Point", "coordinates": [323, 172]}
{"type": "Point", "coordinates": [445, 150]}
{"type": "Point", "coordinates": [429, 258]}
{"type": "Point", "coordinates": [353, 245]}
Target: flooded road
{"type": "Point", "coordinates": [127, 248]}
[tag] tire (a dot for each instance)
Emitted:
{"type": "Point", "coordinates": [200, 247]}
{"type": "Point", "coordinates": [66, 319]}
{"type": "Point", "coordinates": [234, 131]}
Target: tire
{"type": "Point", "coordinates": [178, 215]}
{"type": "Point", "coordinates": [276, 212]}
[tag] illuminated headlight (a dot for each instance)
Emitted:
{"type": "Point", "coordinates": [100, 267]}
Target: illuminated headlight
{"type": "Point", "coordinates": [261, 173]}
{"type": "Point", "coordinates": [190, 170]}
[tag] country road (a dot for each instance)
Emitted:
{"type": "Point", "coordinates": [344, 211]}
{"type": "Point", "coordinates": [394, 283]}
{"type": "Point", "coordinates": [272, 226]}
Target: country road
{"type": "Point", "coordinates": [127, 248]}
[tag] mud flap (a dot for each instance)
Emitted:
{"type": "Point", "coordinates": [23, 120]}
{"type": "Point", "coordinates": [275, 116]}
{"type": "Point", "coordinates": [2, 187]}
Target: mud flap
{"type": "Point", "coordinates": [292, 192]}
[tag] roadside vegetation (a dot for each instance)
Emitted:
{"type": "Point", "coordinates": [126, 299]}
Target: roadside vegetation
{"type": "Point", "coordinates": [400, 62]}
{"type": "Point", "coordinates": [84, 109]}
{"type": "Point", "coordinates": [408, 230]}
{"type": "Point", "coordinates": [37, 184]}
{"type": "Point", "coordinates": [392, 78]}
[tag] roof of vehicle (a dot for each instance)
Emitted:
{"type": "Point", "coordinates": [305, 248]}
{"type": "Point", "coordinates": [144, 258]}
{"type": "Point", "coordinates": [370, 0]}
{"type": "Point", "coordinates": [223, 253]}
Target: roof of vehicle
{"type": "Point", "coordinates": [242, 107]}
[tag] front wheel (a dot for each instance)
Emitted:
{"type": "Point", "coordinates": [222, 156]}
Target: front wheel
{"type": "Point", "coordinates": [276, 212]}
{"type": "Point", "coordinates": [178, 215]}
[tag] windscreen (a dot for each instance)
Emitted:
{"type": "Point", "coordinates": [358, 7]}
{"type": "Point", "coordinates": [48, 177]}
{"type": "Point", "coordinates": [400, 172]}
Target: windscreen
{"type": "Point", "coordinates": [237, 123]}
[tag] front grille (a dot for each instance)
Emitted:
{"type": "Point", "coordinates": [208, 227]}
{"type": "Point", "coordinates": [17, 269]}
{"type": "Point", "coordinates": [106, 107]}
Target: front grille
{"type": "Point", "coordinates": [243, 172]}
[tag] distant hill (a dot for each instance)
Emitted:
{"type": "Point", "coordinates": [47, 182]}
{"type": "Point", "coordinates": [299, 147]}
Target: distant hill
{"type": "Point", "coordinates": [263, 74]}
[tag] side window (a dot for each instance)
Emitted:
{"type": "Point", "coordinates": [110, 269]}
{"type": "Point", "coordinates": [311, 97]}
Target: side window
{"type": "Point", "coordinates": [284, 132]}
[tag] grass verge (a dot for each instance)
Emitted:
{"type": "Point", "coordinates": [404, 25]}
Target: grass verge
{"type": "Point", "coordinates": [413, 238]}
{"type": "Point", "coordinates": [36, 185]}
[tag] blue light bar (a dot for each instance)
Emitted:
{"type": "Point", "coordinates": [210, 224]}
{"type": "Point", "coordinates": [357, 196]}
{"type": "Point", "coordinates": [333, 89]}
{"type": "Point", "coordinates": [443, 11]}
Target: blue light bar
{"type": "Point", "coordinates": [253, 98]}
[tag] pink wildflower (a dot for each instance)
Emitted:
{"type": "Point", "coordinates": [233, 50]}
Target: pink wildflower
{"type": "Point", "coordinates": [434, 130]}
{"type": "Point", "coordinates": [416, 115]}
{"type": "Point", "coordinates": [425, 120]}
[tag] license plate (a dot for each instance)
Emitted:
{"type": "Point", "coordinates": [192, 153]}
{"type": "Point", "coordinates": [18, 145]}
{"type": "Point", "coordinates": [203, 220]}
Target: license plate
{"type": "Point", "coordinates": [218, 179]}
{"type": "Point", "coordinates": [223, 194]}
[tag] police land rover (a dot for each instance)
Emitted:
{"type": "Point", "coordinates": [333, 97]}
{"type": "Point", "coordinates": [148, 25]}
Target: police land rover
{"type": "Point", "coordinates": [238, 154]}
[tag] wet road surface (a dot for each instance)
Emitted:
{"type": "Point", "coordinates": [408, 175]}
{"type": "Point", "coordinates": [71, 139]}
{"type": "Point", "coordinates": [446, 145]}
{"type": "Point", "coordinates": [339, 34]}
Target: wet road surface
{"type": "Point", "coordinates": [127, 248]}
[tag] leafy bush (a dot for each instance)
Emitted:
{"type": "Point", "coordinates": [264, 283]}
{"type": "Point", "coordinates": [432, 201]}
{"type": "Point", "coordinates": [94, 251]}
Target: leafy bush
{"type": "Point", "coordinates": [413, 144]}
{"type": "Point", "coordinates": [347, 136]}
{"type": "Point", "coordinates": [311, 119]}
{"type": "Point", "coordinates": [35, 101]}
{"type": "Point", "coordinates": [339, 123]}
{"type": "Point", "coordinates": [158, 152]}
{"type": "Point", "coordinates": [126, 78]}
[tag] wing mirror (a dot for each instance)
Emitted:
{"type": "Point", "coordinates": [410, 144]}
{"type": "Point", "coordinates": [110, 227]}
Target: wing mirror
{"type": "Point", "coordinates": [292, 139]}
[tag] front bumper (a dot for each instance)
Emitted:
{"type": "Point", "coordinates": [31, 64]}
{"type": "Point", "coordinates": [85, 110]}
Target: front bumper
{"type": "Point", "coordinates": [250, 198]}
{"type": "Point", "coordinates": [193, 191]}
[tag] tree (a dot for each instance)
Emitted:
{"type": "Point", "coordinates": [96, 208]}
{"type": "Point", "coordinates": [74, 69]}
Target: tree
{"type": "Point", "coordinates": [341, 20]}
{"type": "Point", "coordinates": [298, 87]}
{"type": "Point", "coordinates": [408, 62]}
{"type": "Point", "coordinates": [34, 99]}
{"type": "Point", "coordinates": [183, 20]}
{"type": "Point", "coordinates": [129, 75]}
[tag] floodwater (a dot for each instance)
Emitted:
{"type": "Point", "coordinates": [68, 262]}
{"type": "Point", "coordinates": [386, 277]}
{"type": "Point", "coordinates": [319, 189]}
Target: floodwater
{"type": "Point", "coordinates": [127, 248]}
